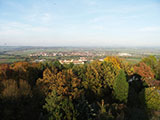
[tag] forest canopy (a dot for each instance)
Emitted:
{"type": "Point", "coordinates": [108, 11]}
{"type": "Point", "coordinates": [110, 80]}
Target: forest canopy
{"type": "Point", "coordinates": [101, 90]}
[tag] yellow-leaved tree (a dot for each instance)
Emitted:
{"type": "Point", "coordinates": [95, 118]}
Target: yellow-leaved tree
{"type": "Point", "coordinates": [100, 76]}
{"type": "Point", "coordinates": [112, 66]}
{"type": "Point", "coordinates": [65, 83]}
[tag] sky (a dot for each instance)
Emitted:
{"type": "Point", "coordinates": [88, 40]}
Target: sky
{"type": "Point", "coordinates": [80, 23]}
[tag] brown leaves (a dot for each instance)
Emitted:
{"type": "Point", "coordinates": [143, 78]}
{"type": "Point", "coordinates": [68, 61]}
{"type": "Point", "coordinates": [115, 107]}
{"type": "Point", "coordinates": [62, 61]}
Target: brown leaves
{"type": "Point", "coordinates": [5, 71]}
{"type": "Point", "coordinates": [11, 88]}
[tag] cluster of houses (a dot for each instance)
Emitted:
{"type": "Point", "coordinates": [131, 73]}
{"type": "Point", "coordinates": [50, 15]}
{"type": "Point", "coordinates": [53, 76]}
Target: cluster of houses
{"type": "Point", "coordinates": [75, 53]}
{"type": "Point", "coordinates": [81, 60]}
{"type": "Point", "coordinates": [46, 54]}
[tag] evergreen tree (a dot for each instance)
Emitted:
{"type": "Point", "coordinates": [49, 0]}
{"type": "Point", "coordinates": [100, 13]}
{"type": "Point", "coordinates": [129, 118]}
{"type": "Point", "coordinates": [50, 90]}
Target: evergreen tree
{"type": "Point", "coordinates": [121, 87]}
{"type": "Point", "coordinates": [59, 108]}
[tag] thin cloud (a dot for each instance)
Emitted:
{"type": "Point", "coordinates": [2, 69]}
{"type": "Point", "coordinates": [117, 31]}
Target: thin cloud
{"type": "Point", "coordinates": [16, 28]}
{"type": "Point", "coordinates": [149, 29]}
{"type": "Point", "coordinates": [40, 17]}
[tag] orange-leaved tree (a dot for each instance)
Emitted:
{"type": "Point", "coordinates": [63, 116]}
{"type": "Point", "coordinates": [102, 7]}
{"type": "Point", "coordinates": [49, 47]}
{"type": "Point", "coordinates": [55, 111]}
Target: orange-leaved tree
{"type": "Point", "coordinates": [5, 71]}
{"type": "Point", "coordinates": [145, 72]}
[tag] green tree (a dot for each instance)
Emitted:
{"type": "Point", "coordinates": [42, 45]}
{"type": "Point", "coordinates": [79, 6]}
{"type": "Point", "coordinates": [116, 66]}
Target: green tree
{"type": "Point", "coordinates": [121, 87]}
{"type": "Point", "coordinates": [150, 61]}
{"type": "Point", "coordinates": [151, 96]}
{"type": "Point", "coordinates": [93, 78]}
{"type": "Point", "coordinates": [109, 73]}
{"type": "Point", "coordinates": [58, 65]}
{"type": "Point", "coordinates": [59, 108]}
{"type": "Point", "coordinates": [99, 79]}
{"type": "Point", "coordinates": [79, 71]}
{"type": "Point", "coordinates": [86, 111]}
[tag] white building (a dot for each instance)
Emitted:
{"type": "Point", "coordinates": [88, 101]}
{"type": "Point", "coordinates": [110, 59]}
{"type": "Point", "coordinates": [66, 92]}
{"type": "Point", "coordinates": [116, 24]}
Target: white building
{"type": "Point", "coordinates": [124, 54]}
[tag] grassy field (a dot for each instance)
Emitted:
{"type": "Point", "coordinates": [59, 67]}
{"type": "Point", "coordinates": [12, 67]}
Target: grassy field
{"type": "Point", "coordinates": [133, 60]}
{"type": "Point", "coordinates": [10, 60]}
{"type": "Point", "coordinates": [5, 58]}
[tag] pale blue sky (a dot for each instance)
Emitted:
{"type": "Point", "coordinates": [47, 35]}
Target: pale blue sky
{"type": "Point", "coordinates": [80, 22]}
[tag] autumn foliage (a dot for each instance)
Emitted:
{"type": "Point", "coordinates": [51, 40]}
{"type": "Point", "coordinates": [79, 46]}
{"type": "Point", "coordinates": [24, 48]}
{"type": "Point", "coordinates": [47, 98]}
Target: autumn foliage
{"type": "Point", "coordinates": [145, 72]}
{"type": "Point", "coordinates": [65, 83]}
{"type": "Point", "coordinates": [93, 91]}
